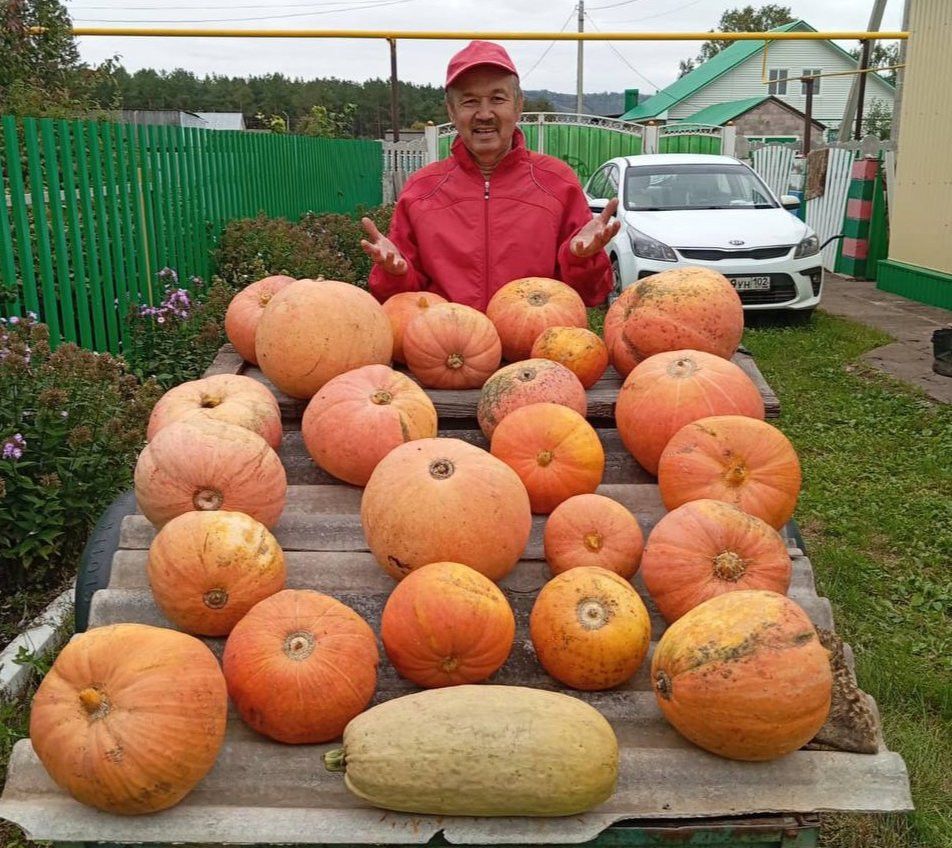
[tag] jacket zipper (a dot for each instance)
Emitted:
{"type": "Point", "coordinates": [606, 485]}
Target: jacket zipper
{"type": "Point", "coordinates": [486, 251]}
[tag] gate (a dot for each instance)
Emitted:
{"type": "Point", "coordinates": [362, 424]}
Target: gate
{"type": "Point", "coordinates": [774, 165]}
{"type": "Point", "coordinates": [693, 138]}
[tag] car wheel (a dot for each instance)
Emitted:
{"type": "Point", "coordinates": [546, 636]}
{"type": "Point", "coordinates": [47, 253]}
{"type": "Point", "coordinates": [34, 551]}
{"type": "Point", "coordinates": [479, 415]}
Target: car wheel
{"type": "Point", "coordinates": [616, 278]}
{"type": "Point", "coordinates": [801, 317]}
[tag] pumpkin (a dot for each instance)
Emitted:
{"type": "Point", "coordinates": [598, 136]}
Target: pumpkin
{"type": "Point", "coordinates": [577, 348]}
{"type": "Point", "coordinates": [232, 398]}
{"type": "Point", "coordinates": [244, 313]}
{"type": "Point", "coordinates": [706, 548]}
{"type": "Point", "coordinates": [593, 530]}
{"type": "Point", "coordinates": [480, 751]}
{"type": "Point", "coordinates": [694, 308]}
{"type": "Point", "coordinates": [444, 500]}
{"type": "Point", "coordinates": [522, 309]}
{"type": "Point", "coordinates": [402, 308]}
{"type": "Point", "coordinates": [590, 629]}
{"type": "Point", "coordinates": [451, 346]}
{"type": "Point", "coordinates": [522, 383]}
{"type": "Point", "coordinates": [300, 665]}
{"type": "Point", "coordinates": [204, 464]}
{"type": "Point", "coordinates": [130, 717]}
{"type": "Point", "coordinates": [207, 569]}
{"type": "Point", "coordinates": [669, 390]}
{"type": "Point", "coordinates": [357, 418]}
{"type": "Point", "coordinates": [623, 360]}
{"type": "Point", "coordinates": [446, 624]}
{"type": "Point", "coordinates": [553, 449]}
{"type": "Point", "coordinates": [744, 676]}
{"type": "Point", "coordinates": [733, 458]}
{"type": "Point", "coordinates": [313, 330]}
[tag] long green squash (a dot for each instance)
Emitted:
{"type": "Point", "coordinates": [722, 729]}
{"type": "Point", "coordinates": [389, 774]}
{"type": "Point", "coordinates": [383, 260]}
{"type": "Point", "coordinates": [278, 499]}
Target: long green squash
{"type": "Point", "coordinates": [480, 751]}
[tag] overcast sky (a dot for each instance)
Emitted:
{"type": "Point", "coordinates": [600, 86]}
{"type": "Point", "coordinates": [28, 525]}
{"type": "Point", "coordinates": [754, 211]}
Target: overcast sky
{"type": "Point", "coordinates": [608, 66]}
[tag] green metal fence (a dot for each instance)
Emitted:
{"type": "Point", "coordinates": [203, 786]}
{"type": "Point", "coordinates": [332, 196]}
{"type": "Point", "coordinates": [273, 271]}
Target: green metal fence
{"type": "Point", "coordinates": [90, 212]}
{"type": "Point", "coordinates": [689, 138]}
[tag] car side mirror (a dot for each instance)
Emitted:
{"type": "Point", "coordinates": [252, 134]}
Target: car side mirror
{"type": "Point", "coordinates": [597, 205]}
{"type": "Point", "coordinates": [790, 201]}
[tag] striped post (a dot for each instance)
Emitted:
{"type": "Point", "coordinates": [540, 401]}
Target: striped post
{"type": "Point", "coordinates": [859, 212]}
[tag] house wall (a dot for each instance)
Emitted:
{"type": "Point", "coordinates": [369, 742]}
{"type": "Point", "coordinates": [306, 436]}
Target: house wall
{"type": "Point", "coordinates": [771, 118]}
{"type": "Point", "coordinates": [745, 81]}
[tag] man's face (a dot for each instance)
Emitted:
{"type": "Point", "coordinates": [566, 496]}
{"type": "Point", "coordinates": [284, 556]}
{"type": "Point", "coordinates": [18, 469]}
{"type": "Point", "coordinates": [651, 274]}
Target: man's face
{"type": "Point", "coordinates": [484, 108]}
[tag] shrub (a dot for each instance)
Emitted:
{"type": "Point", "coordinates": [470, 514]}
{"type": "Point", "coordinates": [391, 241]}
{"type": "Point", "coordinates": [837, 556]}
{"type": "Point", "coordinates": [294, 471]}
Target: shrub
{"type": "Point", "coordinates": [346, 232]}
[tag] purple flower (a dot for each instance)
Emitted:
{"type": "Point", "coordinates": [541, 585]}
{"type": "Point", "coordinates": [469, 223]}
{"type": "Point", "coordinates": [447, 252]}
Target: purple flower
{"type": "Point", "coordinates": [14, 446]}
{"type": "Point", "coordinates": [14, 319]}
{"type": "Point", "coordinates": [160, 319]}
{"type": "Point", "coordinates": [32, 316]}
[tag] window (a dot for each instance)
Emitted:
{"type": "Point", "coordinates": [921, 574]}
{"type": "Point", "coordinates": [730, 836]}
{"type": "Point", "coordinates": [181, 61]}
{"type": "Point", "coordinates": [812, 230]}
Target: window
{"type": "Point", "coordinates": [612, 181]}
{"type": "Point", "coordinates": [811, 72]}
{"type": "Point", "coordinates": [778, 80]}
{"type": "Point", "coordinates": [598, 187]}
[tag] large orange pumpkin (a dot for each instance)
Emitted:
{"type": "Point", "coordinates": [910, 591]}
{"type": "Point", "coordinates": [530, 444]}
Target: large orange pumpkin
{"type": "Point", "coordinates": [522, 383]}
{"type": "Point", "coordinates": [207, 465]}
{"type": "Point", "coordinates": [232, 398]}
{"type": "Point", "coordinates": [693, 308]}
{"type": "Point", "coordinates": [593, 530]}
{"type": "Point", "coordinates": [669, 390]}
{"type": "Point", "coordinates": [577, 348]}
{"type": "Point", "coordinates": [130, 717]}
{"type": "Point", "coordinates": [744, 675]}
{"type": "Point", "coordinates": [402, 308]}
{"type": "Point", "coordinates": [733, 458]}
{"type": "Point", "coordinates": [446, 624]}
{"type": "Point", "coordinates": [590, 629]}
{"type": "Point", "coordinates": [207, 569]}
{"type": "Point", "coordinates": [300, 665]}
{"type": "Point", "coordinates": [524, 308]}
{"type": "Point", "coordinates": [451, 346]}
{"type": "Point", "coordinates": [244, 313]}
{"type": "Point", "coordinates": [706, 548]}
{"type": "Point", "coordinates": [621, 358]}
{"type": "Point", "coordinates": [313, 330]}
{"type": "Point", "coordinates": [357, 418]}
{"type": "Point", "coordinates": [444, 500]}
{"type": "Point", "coordinates": [553, 449]}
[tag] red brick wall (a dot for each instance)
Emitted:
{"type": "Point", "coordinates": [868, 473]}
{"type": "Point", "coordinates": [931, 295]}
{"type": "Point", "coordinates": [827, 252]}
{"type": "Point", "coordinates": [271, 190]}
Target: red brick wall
{"type": "Point", "coordinates": [770, 118]}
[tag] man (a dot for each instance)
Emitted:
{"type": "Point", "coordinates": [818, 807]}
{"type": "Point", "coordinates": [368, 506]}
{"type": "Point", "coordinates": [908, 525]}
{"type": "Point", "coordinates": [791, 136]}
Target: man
{"type": "Point", "coordinates": [493, 211]}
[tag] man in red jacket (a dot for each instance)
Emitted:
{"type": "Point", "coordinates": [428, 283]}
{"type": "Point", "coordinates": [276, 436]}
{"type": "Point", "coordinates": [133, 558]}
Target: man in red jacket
{"type": "Point", "coordinates": [493, 211]}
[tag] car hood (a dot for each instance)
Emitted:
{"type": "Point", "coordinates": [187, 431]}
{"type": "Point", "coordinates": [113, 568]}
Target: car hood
{"type": "Point", "coordinates": [718, 227]}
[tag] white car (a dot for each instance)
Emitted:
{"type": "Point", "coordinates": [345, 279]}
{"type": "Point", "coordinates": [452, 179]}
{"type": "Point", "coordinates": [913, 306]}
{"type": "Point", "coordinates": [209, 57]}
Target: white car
{"type": "Point", "coordinates": [680, 209]}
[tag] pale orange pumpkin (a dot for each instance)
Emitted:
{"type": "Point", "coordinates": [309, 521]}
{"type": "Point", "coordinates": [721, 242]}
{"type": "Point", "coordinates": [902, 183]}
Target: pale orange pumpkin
{"type": "Point", "coordinates": [733, 458]}
{"type": "Point", "coordinates": [300, 665]}
{"type": "Point", "coordinates": [590, 628]}
{"type": "Point", "coordinates": [402, 308]}
{"type": "Point", "coordinates": [444, 500]}
{"type": "Point", "coordinates": [313, 330]}
{"type": "Point", "coordinates": [553, 449]}
{"type": "Point", "coordinates": [244, 312]}
{"type": "Point", "coordinates": [522, 383]}
{"type": "Point", "coordinates": [593, 530]}
{"type": "Point", "coordinates": [707, 548]}
{"type": "Point", "coordinates": [623, 360]}
{"type": "Point", "coordinates": [130, 717]}
{"type": "Point", "coordinates": [451, 346]}
{"type": "Point", "coordinates": [577, 348]}
{"type": "Point", "coordinates": [669, 390]}
{"type": "Point", "coordinates": [523, 308]}
{"type": "Point", "coordinates": [446, 624]}
{"type": "Point", "coordinates": [358, 417]}
{"type": "Point", "coordinates": [232, 398]}
{"type": "Point", "coordinates": [203, 464]}
{"type": "Point", "coordinates": [207, 569]}
{"type": "Point", "coordinates": [744, 676]}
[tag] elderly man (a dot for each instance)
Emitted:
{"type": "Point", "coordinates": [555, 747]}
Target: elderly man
{"type": "Point", "coordinates": [493, 211]}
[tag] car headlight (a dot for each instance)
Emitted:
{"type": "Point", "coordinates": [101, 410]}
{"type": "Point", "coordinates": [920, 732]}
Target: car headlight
{"type": "Point", "coordinates": [649, 248]}
{"type": "Point", "coordinates": [807, 247]}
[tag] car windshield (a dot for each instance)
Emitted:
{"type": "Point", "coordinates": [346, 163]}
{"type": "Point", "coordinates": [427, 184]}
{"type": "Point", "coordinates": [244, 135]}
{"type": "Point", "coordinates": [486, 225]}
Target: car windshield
{"type": "Point", "coordinates": [707, 186]}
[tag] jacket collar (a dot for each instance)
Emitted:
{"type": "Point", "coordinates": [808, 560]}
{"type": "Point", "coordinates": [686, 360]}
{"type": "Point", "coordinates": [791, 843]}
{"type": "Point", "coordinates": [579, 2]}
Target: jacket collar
{"type": "Point", "coordinates": [465, 160]}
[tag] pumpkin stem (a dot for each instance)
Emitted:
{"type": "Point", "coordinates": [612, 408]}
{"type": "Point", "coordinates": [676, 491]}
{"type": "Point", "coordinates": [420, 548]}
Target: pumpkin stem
{"type": "Point", "coordinates": [210, 401]}
{"type": "Point", "coordinates": [682, 368]}
{"type": "Point", "coordinates": [441, 469]}
{"type": "Point", "coordinates": [423, 303]}
{"type": "Point", "coordinates": [526, 374]}
{"type": "Point", "coordinates": [94, 702]}
{"type": "Point", "coordinates": [736, 474]}
{"type": "Point", "coordinates": [592, 614]}
{"type": "Point", "coordinates": [299, 645]}
{"type": "Point", "coordinates": [537, 298]}
{"type": "Point", "coordinates": [334, 760]}
{"type": "Point", "coordinates": [593, 541]}
{"type": "Point", "coordinates": [264, 297]}
{"type": "Point", "coordinates": [450, 664]}
{"type": "Point", "coordinates": [208, 499]}
{"type": "Point", "coordinates": [215, 598]}
{"type": "Point", "coordinates": [381, 397]}
{"type": "Point", "coordinates": [729, 566]}
{"type": "Point", "coordinates": [663, 685]}
{"type": "Point", "coordinates": [454, 361]}
{"type": "Point", "coordinates": [545, 457]}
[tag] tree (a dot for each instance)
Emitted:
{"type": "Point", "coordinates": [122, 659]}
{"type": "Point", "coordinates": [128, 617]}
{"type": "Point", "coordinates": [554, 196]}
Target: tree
{"type": "Point", "coordinates": [880, 56]}
{"type": "Point", "coordinates": [324, 123]}
{"type": "Point", "coordinates": [878, 119]}
{"type": "Point", "coordinates": [747, 19]}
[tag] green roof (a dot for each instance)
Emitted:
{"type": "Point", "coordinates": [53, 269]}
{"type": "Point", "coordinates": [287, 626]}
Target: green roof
{"type": "Point", "coordinates": [721, 113]}
{"type": "Point", "coordinates": [704, 74]}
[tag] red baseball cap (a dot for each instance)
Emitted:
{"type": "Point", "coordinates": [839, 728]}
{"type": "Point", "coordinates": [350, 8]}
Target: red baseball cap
{"type": "Point", "coordinates": [478, 53]}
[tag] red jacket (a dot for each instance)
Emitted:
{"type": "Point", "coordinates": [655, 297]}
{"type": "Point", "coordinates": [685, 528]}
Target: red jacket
{"type": "Point", "coordinates": [464, 237]}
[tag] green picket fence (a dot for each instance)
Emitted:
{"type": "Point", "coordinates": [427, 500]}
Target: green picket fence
{"type": "Point", "coordinates": [90, 212]}
{"type": "Point", "coordinates": [689, 138]}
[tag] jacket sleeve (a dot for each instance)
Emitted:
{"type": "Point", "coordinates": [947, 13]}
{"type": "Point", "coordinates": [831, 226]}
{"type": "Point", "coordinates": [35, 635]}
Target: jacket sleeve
{"type": "Point", "coordinates": [383, 285]}
{"type": "Point", "coordinates": [590, 276]}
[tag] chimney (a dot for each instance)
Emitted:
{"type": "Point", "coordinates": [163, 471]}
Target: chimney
{"type": "Point", "coordinates": [631, 98]}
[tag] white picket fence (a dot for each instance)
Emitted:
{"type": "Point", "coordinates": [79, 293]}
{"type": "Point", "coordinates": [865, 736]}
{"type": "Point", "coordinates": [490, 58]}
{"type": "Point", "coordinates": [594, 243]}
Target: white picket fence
{"type": "Point", "coordinates": [400, 159]}
{"type": "Point", "coordinates": [774, 164]}
{"type": "Point", "coordinates": [827, 212]}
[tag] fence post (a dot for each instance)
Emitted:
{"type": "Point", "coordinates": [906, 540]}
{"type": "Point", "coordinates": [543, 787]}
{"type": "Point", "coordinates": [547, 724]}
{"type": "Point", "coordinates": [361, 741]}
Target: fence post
{"type": "Point", "coordinates": [728, 140]}
{"type": "Point", "coordinates": [649, 139]}
{"type": "Point", "coordinates": [431, 135]}
{"type": "Point", "coordinates": [859, 212]}
{"type": "Point", "coordinates": [540, 120]}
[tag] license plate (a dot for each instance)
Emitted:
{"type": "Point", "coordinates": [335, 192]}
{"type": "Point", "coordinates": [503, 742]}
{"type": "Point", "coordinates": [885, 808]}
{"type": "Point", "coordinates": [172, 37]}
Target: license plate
{"type": "Point", "coordinates": [751, 283]}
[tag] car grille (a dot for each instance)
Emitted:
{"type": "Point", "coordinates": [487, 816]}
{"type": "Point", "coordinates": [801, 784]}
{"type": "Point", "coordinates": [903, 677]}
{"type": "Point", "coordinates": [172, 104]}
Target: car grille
{"type": "Point", "coordinates": [782, 289]}
{"type": "Point", "coordinates": [713, 255]}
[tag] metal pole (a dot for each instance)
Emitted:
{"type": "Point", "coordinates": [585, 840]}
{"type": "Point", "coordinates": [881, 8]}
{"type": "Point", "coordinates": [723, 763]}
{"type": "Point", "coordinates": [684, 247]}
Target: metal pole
{"type": "Point", "coordinates": [875, 21]}
{"type": "Point", "coordinates": [394, 115]}
{"type": "Point", "coordinates": [808, 115]}
{"type": "Point", "coordinates": [900, 78]}
{"type": "Point", "coordinates": [864, 63]}
{"type": "Point", "coordinates": [578, 71]}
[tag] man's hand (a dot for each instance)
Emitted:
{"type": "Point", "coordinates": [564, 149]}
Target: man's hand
{"type": "Point", "coordinates": [381, 250]}
{"type": "Point", "coordinates": [597, 232]}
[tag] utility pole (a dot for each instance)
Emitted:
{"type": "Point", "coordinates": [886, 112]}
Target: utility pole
{"type": "Point", "coordinates": [900, 78]}
{"type": "Point", "coordinates": [578, 72]}
{"type": "Point", "coordinates": [394, 116]}
{"type": "Point", "coordinates": [875, 21]}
